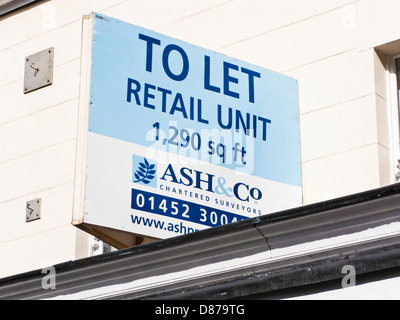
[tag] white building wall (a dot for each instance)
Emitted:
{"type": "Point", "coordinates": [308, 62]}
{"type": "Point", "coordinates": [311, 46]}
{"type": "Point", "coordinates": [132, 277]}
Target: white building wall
{"type": "Point", "coordinates": [327, 45]}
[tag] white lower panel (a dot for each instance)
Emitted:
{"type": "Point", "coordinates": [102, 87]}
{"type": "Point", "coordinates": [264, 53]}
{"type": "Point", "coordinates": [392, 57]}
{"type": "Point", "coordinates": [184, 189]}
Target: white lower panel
{"type": "Point", "coordinates": [161, 195]}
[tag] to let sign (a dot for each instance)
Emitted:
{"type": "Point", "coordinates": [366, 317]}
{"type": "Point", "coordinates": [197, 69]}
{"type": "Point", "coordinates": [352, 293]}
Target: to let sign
{"type": "Point", "coordinates": [182, 138]}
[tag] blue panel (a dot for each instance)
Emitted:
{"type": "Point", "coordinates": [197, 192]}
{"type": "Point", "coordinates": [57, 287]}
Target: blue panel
{"type": "Point", "coordinates": [181, 210]}
{"type": "Point", "coordinates": [160, 92]}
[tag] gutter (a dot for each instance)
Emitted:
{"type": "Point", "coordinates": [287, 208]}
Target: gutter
{"type": "Point", "coordinates": [280, 251]}
{"type": "Point", "coordinates": [10, 5]}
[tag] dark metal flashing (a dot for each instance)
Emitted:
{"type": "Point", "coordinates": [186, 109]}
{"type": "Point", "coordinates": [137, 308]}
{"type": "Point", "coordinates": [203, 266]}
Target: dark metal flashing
{"type": "Point", "coordinates": [366, 262]}
{"type": "Point", "coordinates": [12, 5]}
{"type": "Point", "coordinates": [328, 219]}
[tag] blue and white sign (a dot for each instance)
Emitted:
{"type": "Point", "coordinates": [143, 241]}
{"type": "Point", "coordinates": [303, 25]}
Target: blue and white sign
{"type": "Point", "coordinates": [182, 138]}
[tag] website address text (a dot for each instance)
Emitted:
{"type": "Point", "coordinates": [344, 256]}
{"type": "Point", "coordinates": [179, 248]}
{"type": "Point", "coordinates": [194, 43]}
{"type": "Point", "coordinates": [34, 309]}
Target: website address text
{"type": "Point", "coordinates": [179, 228]}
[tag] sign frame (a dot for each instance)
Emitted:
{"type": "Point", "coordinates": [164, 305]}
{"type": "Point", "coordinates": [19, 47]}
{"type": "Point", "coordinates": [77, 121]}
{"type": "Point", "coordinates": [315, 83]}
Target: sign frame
{"type": "Point", "coordinates": [122, 237]}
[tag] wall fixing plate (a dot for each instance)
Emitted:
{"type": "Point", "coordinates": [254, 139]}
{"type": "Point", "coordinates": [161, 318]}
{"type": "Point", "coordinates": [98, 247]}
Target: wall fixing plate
{"type": "Point", "coordinates": [39, 70]}
{"type": "Point", "coordinates": [33, 210]}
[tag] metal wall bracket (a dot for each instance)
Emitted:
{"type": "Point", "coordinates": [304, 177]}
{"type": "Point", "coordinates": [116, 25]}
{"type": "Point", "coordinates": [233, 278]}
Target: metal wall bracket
{"type": "Point", "coordinates": [33, 210]}
{"type": "Point", "coordinates": [39, 70]}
